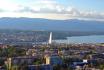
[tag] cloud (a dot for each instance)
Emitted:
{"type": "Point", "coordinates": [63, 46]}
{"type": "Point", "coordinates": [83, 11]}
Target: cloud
{"type": "Point", "coordinates": [50, 9]}
{"type": "Point", "coordinates": [8, 6]}
{"type": "Point", "coordinates": [90, 15]}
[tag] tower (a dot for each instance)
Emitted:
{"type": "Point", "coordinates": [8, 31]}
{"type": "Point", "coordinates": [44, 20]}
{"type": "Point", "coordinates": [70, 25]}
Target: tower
{"type": "Point", "coordinates": [50, 38]}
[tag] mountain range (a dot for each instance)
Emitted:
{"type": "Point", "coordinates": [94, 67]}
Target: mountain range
{"type": "Point", "coordinates": [47, 24]}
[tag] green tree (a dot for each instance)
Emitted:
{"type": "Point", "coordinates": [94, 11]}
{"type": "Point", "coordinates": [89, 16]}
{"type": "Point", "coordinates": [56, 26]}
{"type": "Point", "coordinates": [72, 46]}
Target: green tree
{"type": "Point", "coordinates": [102, 67]}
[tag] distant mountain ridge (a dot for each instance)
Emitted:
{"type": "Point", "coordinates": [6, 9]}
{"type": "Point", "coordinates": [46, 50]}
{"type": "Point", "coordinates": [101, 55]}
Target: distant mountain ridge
{"type": "Point", "coordinates": [46, 24]}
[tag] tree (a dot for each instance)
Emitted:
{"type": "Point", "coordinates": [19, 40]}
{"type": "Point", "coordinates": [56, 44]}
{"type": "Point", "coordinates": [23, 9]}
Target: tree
{"type": "Point", "coordinates": [102, 67]}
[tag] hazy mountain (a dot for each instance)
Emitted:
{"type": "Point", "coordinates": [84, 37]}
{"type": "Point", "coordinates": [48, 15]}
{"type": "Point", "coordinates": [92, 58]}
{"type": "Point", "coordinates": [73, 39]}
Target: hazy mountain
{"type": "Point", "coordinates": [45, 24]}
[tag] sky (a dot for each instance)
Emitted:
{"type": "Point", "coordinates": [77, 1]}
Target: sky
{"type": "Point", "coordinates": [53, 9]}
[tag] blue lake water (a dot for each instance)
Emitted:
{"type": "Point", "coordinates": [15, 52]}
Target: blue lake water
{"type": "Point", "coordinates": [83, 39]}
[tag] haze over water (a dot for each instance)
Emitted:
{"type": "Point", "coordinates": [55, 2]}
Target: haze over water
{"type": "Point", "coordinates": [83, 39]}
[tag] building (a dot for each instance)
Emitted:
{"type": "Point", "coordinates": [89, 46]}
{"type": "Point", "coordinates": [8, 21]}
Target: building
{"type": "Point", "coordinates": [40, 67]}
{"type": "Point", "coordinates": [53, 60]}
{"type": "Point", "coordinates": [8, 63]}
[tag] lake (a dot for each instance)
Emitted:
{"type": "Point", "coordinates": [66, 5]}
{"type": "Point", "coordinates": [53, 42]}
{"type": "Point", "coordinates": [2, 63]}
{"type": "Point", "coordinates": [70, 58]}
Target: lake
{"type": "Point", "coordinates": [83, 39]}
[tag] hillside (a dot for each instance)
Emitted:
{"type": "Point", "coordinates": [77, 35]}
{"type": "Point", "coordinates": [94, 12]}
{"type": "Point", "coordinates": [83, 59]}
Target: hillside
{"type": "Point", "coordinates": [45, 24]}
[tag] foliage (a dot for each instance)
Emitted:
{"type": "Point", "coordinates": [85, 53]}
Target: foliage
{"type": "Point", "coordinates": [11, 51]}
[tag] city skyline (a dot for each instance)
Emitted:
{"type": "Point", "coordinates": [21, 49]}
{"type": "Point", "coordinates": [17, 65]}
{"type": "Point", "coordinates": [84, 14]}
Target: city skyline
{"type": "Point", "coordinates": [53, 9]}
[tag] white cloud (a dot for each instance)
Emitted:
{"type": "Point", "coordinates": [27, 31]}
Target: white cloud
{"type": "Point", "coordinates": [8, 6]}
{"type": "Point", "coordinates": [49, 9]}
